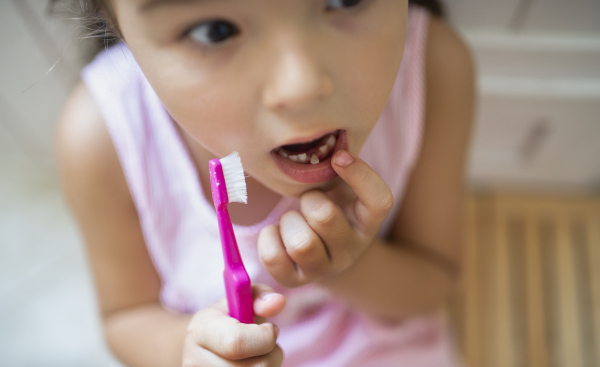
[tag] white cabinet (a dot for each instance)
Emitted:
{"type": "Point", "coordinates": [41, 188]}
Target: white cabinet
{"type": "Point", "coordinates": [539, 142]}
{"type": "Point", "coordinates": [538, 118]}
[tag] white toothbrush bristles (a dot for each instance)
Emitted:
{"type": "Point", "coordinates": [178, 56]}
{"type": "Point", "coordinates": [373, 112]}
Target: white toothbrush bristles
{"type": "Point", "coordinates": [234, 178]}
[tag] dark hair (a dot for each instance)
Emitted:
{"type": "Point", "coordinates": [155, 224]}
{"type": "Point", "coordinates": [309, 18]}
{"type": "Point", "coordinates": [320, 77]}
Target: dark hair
{"type": "Point", "coordinates": [98, 18]}
{"type": "Point", "coordinates": [435, 7]}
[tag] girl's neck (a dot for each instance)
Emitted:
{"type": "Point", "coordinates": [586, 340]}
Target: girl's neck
{"type": "Point", "coordinates": [261, 200]}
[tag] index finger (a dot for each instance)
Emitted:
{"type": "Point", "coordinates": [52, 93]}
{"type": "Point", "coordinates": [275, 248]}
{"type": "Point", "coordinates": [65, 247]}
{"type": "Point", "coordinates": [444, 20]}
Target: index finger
{"type": "Point", "coordinates": [375, 198]}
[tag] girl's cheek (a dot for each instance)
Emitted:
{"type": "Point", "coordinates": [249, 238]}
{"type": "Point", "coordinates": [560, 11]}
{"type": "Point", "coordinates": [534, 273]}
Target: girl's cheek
{"type": "Point", "coordinates": [198, 108]}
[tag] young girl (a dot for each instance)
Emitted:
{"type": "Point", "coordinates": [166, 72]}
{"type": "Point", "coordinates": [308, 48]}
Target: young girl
{"type": "Point", "coordinates": [351, 119]}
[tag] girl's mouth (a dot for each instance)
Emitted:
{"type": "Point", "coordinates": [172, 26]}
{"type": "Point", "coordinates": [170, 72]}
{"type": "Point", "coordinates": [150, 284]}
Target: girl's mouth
{"type": "Point", "coordinates": [310, 162]}
{"type": "Point", "coordinates": [312, 152]}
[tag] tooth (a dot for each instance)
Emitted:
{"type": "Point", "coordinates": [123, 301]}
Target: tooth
{"type": "Point", "coordinates": [314, 159]}
{"type": "Point", "coordinates": [293, 158]}
{"type": "Point", "coordinates": [302, 157]}
{"type": "Point", "coordinates": [282, 153]}
{"type": "Point", "coordinates": [331, 141]}
{"type": "Point", "coordinates": [323, 149]}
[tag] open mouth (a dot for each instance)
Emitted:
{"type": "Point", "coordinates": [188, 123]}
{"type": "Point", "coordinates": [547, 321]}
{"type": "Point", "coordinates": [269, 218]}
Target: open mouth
{"type": "Point", "coordinates": [312, 152]}
{"type": "Point", "coordinates": [310, 162]}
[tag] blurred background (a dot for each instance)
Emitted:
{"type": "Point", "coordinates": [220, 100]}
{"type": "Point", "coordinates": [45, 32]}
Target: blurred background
{"type": "Point", "coordinates": [531, 292]}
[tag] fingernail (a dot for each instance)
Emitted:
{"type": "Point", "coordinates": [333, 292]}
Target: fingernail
{"type": "Point", "coordinates": [276, 330]}
{"type": "Point", "coordinates": [266, 296]}
{"type": "Point", "coordinates": [343, 158]}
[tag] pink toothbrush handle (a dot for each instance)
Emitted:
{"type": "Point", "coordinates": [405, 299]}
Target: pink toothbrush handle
{"type": "Point", "coordinates": [237, 281]}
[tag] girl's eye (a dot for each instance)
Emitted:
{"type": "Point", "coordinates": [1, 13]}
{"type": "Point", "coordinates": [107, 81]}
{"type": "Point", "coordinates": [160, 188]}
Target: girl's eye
{"type": "Point", "coordinates": [342, 3]}
{"type": "Point", "coordinates": [213, 32]}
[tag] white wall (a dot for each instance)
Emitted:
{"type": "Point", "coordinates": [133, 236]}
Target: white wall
{"type": "Point", "coordinates": [40, 59]}
{"type": "Point", "coordinates": [48, 311]}
{"type": "Point", "coordinates": [538, 121]}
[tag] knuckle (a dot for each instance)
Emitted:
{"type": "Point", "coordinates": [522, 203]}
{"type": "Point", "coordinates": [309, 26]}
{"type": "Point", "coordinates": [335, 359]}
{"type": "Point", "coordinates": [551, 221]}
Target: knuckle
{"type": "Point", "coordinates": [269, 251]}
{"type": "Point", "coordinates": [234, 345]}
{"type": "Point", "coordinates": [385, 204]}
{"type": "Point", "coordinates": [345, 259]}
{"type": "Point", "coordinates": [323, 213]}
{"type": "Point", "coordinates": [286, 280]}
{"type": "Point", "coordinates": [302, 244]}
{"type": "Point", "coordinates": [364, 175]}
{"type": "Point", "coordinates": [198, 322]}
{"type": "Point", "coordinates": [191, 357]}
{"type": "Point", "coordinates": [342, 262]}
{"type": "Point", "coordinates": [271, 334]}
{"type": "Point", "coordinates": [272, 359]}
{"type": "Point", "coordinates": [268, 257]}
{"type": "Point", "coordinates": [190, 331]}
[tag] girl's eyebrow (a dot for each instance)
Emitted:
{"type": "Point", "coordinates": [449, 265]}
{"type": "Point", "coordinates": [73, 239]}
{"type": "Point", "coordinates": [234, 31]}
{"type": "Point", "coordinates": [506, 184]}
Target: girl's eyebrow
{"type": "Point", "coordinates": [151, 4]}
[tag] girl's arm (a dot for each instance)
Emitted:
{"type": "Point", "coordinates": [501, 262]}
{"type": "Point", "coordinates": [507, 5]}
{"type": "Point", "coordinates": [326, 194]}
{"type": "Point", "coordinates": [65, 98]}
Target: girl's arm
{"type": "Point", "coordinates": [418, 268]}
{"type": "Point", "coordinates": [137, 328]}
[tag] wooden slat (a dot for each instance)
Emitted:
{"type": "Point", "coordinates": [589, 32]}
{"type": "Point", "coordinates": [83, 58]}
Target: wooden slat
{"type": "Point", "coordinates": [570, 333]}
{"type": "Point", "coordinates": [504, 351]}
{"type": "Point", "coordinates": [536, 240]}
{"type": "Point", "coordinates": [593, 225]}
{"type": "Point", "coordinates": [517, 273]}
{"type": "Point", "coordinates": [486, 281]}
{"type": "Point", "coordinates": [471, 309]}
{"type": "Point", "coordinates": [548, 250]}
{"type": "Point", "coordinates": [537, 352]}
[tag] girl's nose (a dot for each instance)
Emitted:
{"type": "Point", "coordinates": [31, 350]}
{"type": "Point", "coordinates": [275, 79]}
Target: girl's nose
{"type": "Point", "coordinates": [296, 81]}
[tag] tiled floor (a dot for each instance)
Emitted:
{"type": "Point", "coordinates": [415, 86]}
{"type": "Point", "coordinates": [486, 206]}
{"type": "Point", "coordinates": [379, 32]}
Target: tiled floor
{"type": "Point", "coordinates": [48, 314]}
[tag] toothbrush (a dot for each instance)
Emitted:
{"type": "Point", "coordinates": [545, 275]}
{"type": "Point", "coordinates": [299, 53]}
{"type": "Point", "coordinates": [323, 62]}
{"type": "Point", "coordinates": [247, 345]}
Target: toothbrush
{"type": "Point", "coordinates": [228, 184]}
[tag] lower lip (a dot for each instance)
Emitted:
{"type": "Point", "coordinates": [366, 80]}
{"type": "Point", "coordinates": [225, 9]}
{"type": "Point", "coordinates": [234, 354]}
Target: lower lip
{"type": "Point", "coordinates": [311, 173]}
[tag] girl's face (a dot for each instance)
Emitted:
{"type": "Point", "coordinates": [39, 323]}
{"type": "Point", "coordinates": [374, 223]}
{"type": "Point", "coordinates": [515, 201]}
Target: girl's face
{"type": "Point", "coordinates": [271, 79]}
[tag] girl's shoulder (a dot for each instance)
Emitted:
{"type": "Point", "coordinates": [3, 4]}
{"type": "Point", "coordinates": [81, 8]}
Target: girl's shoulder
{"type": "Point", "coordinates": [85, 148]}
{"type": "Point", "coordinates": [99, 197]}
{"type": "Point", "coordinates": [88, 164]}
{"type": "Point", "coordinates": [433, 196]}
{"type": "Point", "coordinates": [448, 58]}
{"type": "Point", "coordinates": [82, 140]}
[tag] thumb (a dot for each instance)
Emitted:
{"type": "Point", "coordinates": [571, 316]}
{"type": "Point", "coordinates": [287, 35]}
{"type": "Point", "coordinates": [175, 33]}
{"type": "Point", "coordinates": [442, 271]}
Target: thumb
{"type": "Point", "coordinates": [267, 303]}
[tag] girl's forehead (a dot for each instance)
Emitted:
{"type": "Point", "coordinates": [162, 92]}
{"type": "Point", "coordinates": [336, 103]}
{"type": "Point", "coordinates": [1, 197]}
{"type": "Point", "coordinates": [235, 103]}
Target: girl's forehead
{"type": "Point", "coordinates": [147, 5]}
{"type": "Point", "coordinates": [143, 7]}
{"type": "Point", "coordinates": [169, 11]}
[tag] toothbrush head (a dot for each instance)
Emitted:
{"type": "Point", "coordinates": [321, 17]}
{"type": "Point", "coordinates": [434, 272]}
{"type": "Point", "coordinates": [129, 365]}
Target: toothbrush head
{"type": "Point", "coordinates": [234, 178]}
{"type": "Point", "coordinates": [227, 180]}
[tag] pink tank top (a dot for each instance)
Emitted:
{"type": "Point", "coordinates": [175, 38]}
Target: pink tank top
{"type": "Point", "coordinates": [181, 233]}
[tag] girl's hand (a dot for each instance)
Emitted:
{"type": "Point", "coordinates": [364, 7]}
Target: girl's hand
{"type": "Point", "coordinates": [333, 229]}
{"type": "Point", "coordinates": [215, 339]}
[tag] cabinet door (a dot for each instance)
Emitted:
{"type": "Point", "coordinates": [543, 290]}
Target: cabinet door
{"type": "Point", "coordinates": [534, 141]}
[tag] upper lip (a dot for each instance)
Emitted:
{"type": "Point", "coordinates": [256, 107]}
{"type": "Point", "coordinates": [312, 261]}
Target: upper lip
{"type": "Point", "coordinates": [309, 138]}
